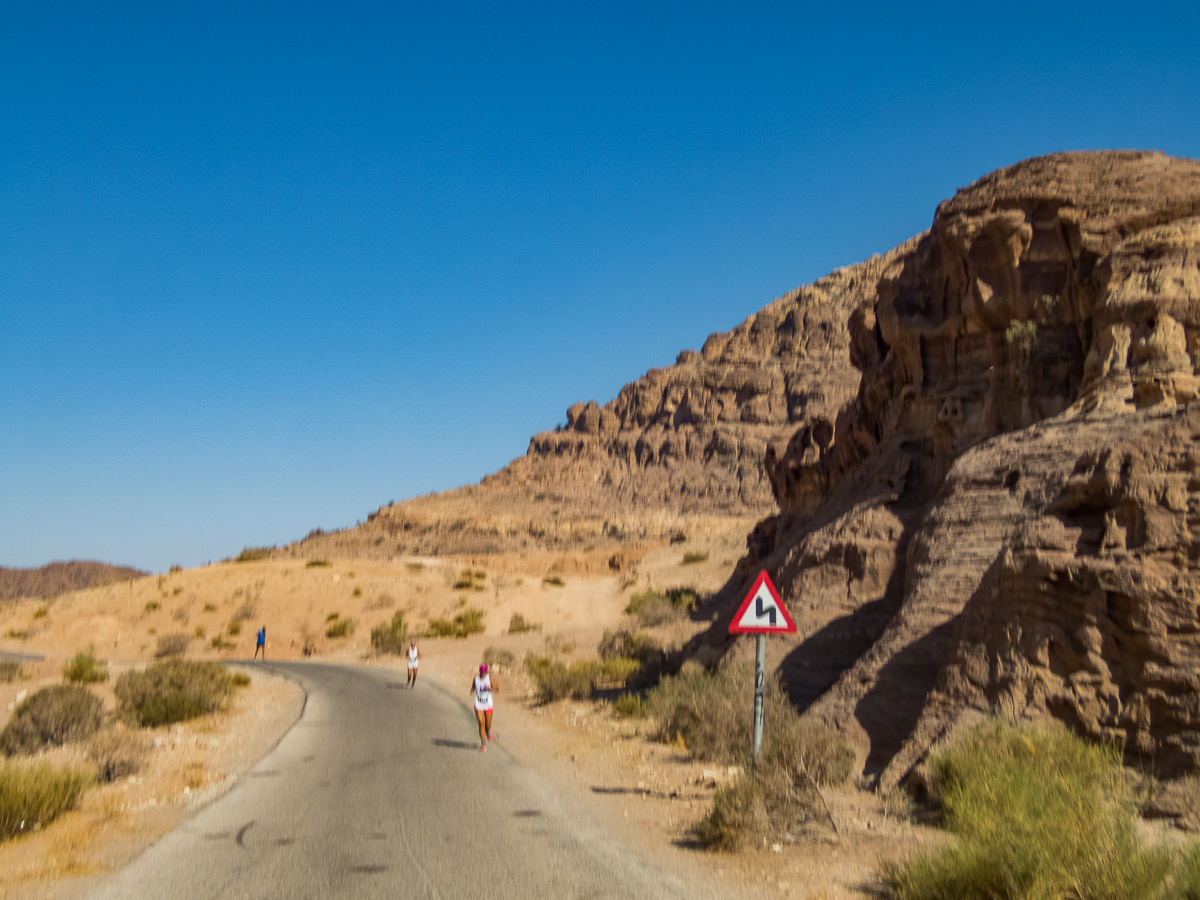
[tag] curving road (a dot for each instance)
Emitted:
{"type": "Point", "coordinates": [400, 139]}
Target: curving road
{"type": "Point", "coordinates": [378, 791]}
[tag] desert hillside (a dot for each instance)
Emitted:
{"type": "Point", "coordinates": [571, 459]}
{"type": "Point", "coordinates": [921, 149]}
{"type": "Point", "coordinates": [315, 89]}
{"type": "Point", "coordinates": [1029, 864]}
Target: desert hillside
{"type": "Point", "coordinates": [59, 577]}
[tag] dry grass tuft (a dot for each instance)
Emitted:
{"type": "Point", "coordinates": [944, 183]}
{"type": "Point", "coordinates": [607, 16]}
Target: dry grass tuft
{"type": "Point", "coordinates": [52, 716]}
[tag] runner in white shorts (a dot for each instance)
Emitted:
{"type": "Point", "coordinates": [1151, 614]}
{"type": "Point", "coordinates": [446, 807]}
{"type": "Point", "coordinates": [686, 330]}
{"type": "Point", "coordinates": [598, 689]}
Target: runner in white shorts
{"type": "Point", "coordinates": [483, 689]}
{"type": "Point", "coordinates": [414, 657]}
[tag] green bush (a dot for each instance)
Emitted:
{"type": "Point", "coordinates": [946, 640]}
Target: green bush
{"type": "Point", "coordinates": [619, 669]}
{"type": "Point", "coordinates": [117, 752]}
{"type": "Point", "coordinates": [465, 624]}
{"type": "Point", "coordinates": [52, 716]}
{"type": "Point", "coordinates": [172, 644]}
{"type": "Point", "coordinates": [390, 637]}
{"type": "Point", "coordinates": [518, 624]}
{"type": "Point", "coordinates": [557, 681]}
{"type": "Point", "coordinates": [1037, 814]}
{"type": "Point", "coordinates": [84, 668]}
{"type": "Point", "coordinates": [629, 706]}
{"type": "Point", "coordinates": [340, 628]}
{"type": "Point", "coordinates": [252, 554]}
{"type": "Point", "coordinates": [33, 796]}
{"type": "Point", "coordinates": [172, 691]}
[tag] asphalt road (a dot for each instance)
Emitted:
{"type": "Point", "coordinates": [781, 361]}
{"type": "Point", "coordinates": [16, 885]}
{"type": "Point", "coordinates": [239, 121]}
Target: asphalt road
{"type": "Point", "coordinates": [379, 791]}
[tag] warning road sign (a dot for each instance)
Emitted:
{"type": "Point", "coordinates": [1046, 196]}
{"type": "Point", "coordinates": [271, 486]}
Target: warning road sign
{"type": "Point", "coordinates": [762, 612]}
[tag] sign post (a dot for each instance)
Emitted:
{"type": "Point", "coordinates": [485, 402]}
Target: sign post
{"type": "Point", "coordinates": [761, 613]}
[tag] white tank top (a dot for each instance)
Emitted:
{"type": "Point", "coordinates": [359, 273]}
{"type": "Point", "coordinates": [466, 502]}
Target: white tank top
{"type": "Point", "coordinates": [483, 690]}
{"type": "Point", "coordinates": [412, 655]}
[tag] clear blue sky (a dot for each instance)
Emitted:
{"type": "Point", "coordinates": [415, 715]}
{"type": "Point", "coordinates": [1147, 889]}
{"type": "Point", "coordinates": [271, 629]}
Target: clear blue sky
{"type": "Point", "coordinates": [264, 267]}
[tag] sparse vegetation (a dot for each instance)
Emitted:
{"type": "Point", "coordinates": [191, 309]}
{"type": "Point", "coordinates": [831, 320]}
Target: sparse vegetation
{"type": "Point", "coordinates": [9, 670]}
{"type": "Point", "coordinates": [84, 668]}
{"type": "Point", "coordinates": [41, 612]}
{"type": "Point", "coordinates": [51, 717]}
{"type": "Point", "coordinates": [652, 607]}
{"type": "Point", "coordinates": [1039, 814]}
{"type": "Point", "coordinates": [117, 752]}
{"type": "Point", "coordinates": [390, 637]}
{"type": "Point", "coordinates": [18, 634]}
{"type": "Point", "coordinates": [692, 557]}
{"type": "Point", "coordinates": [33, 796]}
{"type": "Point", "coordinates": [172, 644]}
{"type": "Point", "coordinates": [710, 714]}
{"type": "Point", "coordinates": [317, 564]}
{"type": "Point", "coordinates": [210, 607]}
{"type": "Point", "coordinates": [553, 581]}
{"type": "Point", "coordinates": [518, 624]}
{"type": "Point", "coordinates": [465, 624]}
{"type": "Point", "coordinates": [252, 555]}
{"type": "Point", "coordinates": [240, 679]}
{"type": "Point", "coordinates": [340, 628]}
{"type": "Point", "coordinates": [153, 606]}
{"type": "Point", "coordinates": [175, 569]}
{"type": "Point", "coordinates": [468, 580]}
{"type": "Point", "coordinates": [219, 643]}
{"type": "Point", "coordinates": [171, 691]}
{"type": "Point", "coordinates": [357, 592]}
{"type": "Point", "coordinates": [557, 681]}
{"type": "Point", "coordinates": [199, 633]}
{"type": "Point", "coordinates": [415, 567]}
{"type": "Point", "coordinates": [234, 628]}
{"type": "Point", "coordinates": [498, 656]}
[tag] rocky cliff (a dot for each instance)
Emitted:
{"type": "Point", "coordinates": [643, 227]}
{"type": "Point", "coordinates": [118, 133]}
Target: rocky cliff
{"type": "Point", "coordinates": [1008, 513]}
{"type": "Point", "coordinates": [680, 446]}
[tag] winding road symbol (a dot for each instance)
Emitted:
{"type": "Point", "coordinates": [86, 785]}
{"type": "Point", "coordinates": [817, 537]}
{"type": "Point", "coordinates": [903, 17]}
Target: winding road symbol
{"type": "Point", "coordinates": [762, 612]}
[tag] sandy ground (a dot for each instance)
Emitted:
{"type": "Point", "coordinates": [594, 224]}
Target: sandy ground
{"type": "Point", "coordinates": [648, 793]}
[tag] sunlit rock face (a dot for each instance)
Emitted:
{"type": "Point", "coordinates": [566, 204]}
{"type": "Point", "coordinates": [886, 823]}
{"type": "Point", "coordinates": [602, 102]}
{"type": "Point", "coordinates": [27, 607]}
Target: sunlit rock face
{"type": "Point", "coordinates": [1007, 513]}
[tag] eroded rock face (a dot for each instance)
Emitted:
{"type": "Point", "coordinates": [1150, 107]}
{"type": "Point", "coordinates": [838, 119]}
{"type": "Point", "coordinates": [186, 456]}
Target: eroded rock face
{"type": "Point", "coordinates": [1039, 344]}
{"type": "Point", "coordinates": [682, 445]}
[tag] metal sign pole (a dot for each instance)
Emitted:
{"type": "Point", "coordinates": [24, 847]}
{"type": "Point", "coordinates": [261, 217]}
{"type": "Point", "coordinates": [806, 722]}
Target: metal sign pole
{"type": "Point", "coordinates": [760, 684]}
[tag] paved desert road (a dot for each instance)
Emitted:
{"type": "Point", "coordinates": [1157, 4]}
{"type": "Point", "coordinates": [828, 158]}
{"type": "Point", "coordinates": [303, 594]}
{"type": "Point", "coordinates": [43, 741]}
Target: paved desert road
{"type": "Point", "coordinates": [379, 791]}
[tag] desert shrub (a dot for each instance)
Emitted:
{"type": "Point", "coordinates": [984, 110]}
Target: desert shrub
{"type": "Point", "coordinates": [333, 617]}
{"type": "Point", "coordinates": [629, 706]}
{"type": "Point", "coordinates": [199, 632]}
{"type": "Point", "coordinates": [219, 643]}
{"type": "Point", "coordinates": [252, 554]}
{"type": "Point", "coordinates": [558, 681]}
{"type": "Point", "coordinates": [415, 567]}
{"type": "Point", "coordinates": [153, 606]}
{"type": "Point", "coordinates": [210, 607]}
{"type": "Point", "coordinates": [317, 564]}
{"type": "Point", "coordinates": [553, 581]}
{"type": "Point", "coordinates": [33, 796]}
{"type": "Point", "coordinates": [171, 691]}
{"type": "Point", "coordinates": [245, 611]}
{"type": "Point", "coordinates": [383, 601]}
{"type": "Point", "coordinates": [619, 669]}
{"type": "Point", "coordinates": [18, 634]}
{"type": "Point", "coordinates": [84, 668]}
{"type": "Point", "coordinates": [518, 624]}
{"type": "Point", "coordinates": [390, 637]}
{"type": "Point", "coordinates": [465, 624]}
{"type": "Point", "coordinates": [234, 628]}
{"type": "Point", "coordinates": [175, 569]}
{"type": "Point", "coordinates": [239, 679]}
{"type": "Point", "coordinates": [498, 656]}
{"type": "Point", "coordinates": [694, 556]}
{"type": "Point", "coordinates": [10, 670]}
{"type": "Point", "coordinates": [466, 580]}
{"type": "Point", "coordinates": [340, 628]}
{"type": "Point", "coordinates": [1037, 814]}
{"type": "Point", "coordinates": [117, 752]}
{"type": "Point", "coordinates": [357, 592]}
{"type": "Point", "coordinates": [52, 716]}
{"type": "Point", "coordinates": [642, 647]}
{"type": "Point", "coordinates": [652, 607]}
{"type": "Point", "coordinates": [172, 644]}
{"type": "Point", "coordinates": [41, 612]}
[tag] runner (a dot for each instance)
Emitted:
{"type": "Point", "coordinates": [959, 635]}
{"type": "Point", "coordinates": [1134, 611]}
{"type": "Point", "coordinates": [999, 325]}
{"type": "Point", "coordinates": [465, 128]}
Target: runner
{"type": "Point", "coordinates": [261, 643]}
{"type": "Point", "coordinates": [483, 689]}
{"type": "Point", "coordinates": [414, 657]}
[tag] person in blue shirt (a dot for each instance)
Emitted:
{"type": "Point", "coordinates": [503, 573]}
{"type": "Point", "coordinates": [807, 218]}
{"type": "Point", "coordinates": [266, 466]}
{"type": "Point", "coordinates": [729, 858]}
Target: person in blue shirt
{"type": "Point", "coordinates": [261, 643]}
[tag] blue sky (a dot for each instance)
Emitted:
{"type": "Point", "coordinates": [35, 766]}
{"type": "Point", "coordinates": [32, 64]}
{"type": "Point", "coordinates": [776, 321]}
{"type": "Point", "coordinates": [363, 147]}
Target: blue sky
{"type": "Point", "coordinates": [264, 267]}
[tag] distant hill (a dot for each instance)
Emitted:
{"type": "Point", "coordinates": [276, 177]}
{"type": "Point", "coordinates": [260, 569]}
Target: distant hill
{"type": "Point", "coordinates": [59, 577]}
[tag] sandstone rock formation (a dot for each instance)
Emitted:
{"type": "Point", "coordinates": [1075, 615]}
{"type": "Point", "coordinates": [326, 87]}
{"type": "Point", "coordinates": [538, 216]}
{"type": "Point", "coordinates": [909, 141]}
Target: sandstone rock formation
{"type": "Point", "coordinates": [1008, 514]}
{"type": "Point", "coordinates": [678, 448]}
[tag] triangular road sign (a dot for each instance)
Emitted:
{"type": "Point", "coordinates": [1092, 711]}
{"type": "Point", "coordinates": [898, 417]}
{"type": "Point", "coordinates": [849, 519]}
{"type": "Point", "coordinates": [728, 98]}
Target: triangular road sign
{"type": "Point", "coordinates": [762, 612]}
